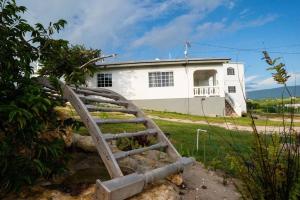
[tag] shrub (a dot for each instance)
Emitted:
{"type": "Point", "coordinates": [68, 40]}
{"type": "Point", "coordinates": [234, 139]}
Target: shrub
{"type": "Point", "coordinates": [272, 168]}
{"type": "Point", "coordinates": [27, 114]}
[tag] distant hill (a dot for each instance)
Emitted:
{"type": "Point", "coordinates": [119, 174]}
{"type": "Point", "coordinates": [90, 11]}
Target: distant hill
{"type": "Point", "coordinates": [273, 93]}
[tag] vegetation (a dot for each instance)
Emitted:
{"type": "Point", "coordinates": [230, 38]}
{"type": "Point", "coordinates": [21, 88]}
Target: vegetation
{"type": "Point", "coordinates": [31, 144]}
{"type": "Point", "coordinates": [214, 155]}
{"type": "Point", "coordinates": [242, 121]}
{"type": "Point", "coordinates": [60, 60]}
{"type": "Point", "coordinates": [274, 106]}
{"type": "Point", "coordinates": [271, 169]}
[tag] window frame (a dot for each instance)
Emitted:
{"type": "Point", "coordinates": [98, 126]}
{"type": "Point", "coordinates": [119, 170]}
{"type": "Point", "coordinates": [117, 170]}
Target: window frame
{"type": "Point", "coordinates": [230, 71]}
{"type": "Point", "coordinates": [231, 89]}
{"type": "Point", "coordinates": [106, 80]}
{"type": "Point", "coordinates": [160, 79]}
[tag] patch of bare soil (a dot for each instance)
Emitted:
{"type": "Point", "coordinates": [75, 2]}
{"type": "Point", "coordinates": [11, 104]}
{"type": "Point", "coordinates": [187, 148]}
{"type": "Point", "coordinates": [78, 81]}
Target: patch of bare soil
{"type": "Point", "coordinates": [201, 184]}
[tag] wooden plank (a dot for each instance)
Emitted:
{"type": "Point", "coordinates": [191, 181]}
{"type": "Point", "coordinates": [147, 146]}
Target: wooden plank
{"type": "Point", "coordinates": [120, 188]}
{"type": "Point", "coordinates": [123, 154]}
{"type": "Point", "coordinates": [89, 92]}
{"type": "Point", "coordinates": [171, 150]}
{"type": "Point", "coordinates": [49, 90]}
{"type": "Point", "coordinates": [102, 109]}
{"type": "Point", "coordinates": [100, 143]}
{"type": "Point", "coordinates": [98, 100]}
{"type": "Point", "coordinates": [163, 172]}
{"type": "Point", "coordinates": [110, 136]}
{"type": "Point", "coordinates": [101, 90]}
{"type": "Point", "coordinates": [127, 186]}
{"type": "Point", "coordinates": [118, 121]}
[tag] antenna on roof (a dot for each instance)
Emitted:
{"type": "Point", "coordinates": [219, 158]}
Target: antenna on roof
{"type": "Point", "coordinates": [187, 46]}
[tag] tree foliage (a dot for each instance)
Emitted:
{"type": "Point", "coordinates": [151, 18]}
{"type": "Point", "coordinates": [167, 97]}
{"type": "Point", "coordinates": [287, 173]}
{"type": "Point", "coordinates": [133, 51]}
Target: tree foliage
{"type": "Point", "coordinates": [30, 142]}
{"type": "Point", "coordinates": [61, 60]}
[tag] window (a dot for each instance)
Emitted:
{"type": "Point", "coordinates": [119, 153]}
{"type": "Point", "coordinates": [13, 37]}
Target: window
{"type": "Point", "coordinates": [104, 80]}
{"type": "Point", "coordinates": [161, 79]}
{"type": "Point", "coordinates": [231, 89]}
{"type": "Point", "coordinates": [230, 71]}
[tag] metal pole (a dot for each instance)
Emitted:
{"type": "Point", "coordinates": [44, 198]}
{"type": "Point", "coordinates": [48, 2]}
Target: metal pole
{"type": "Point", "coordinates": [197, 141]}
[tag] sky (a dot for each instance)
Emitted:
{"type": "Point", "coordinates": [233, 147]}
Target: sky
{"type": "Point", "coordinates": [150, 29]}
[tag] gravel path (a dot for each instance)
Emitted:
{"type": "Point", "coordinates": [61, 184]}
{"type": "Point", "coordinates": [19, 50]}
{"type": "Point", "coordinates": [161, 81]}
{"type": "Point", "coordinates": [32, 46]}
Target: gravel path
{"type": "Point", "coordinates": [267, 129]}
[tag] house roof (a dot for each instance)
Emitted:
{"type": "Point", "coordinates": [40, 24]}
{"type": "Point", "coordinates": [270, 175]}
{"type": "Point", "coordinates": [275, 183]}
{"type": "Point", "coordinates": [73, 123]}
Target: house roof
{"type": "Point", "coordinates": [161, 63]}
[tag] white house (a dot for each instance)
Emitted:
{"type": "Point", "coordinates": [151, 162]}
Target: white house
{"type": "Point", "coordinates": [213, 87]}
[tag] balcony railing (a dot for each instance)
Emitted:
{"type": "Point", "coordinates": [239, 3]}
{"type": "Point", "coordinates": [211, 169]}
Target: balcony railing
{"type": "Point", "coordinates": [206, 91]}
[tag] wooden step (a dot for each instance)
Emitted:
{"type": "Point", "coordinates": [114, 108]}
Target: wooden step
{"type": "Point", "coordinates": [101, 90]}
{"type": "Point", "coordinates": [147, 132]}
{"type": "Point", "coordinates": [127, 186]}
{"type": "Point", "coordinates": [89, 92]}
{"type": "Point", "coordinates": [119, 121]}
{"type": "Point", "coordinates": [101, 109]}
{"type": "Point", "coordinates": [98, 100]}
{"type": "Point", "coordinates": [49, 90]}
{"type": "Point", "coordinates": [123, 154]}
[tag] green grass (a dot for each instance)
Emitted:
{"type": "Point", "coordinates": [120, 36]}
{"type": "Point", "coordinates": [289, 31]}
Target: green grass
{"type": "Point", "coordinates": [183, 136]}
{"type": "Point", "coordinates": [242, 121]}
{"type": "Point", "coordinates": [216, 143]}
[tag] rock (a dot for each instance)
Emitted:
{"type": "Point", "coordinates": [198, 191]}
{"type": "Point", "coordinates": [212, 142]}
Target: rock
{"type": "Point", "coordinates": [204, 187]}
{"type": "Point", "coordinates": [176, 179]}
{"type": "Point", "coordinates": [85, 143]}
{"type": "Point", "coordinates": [68, 136]}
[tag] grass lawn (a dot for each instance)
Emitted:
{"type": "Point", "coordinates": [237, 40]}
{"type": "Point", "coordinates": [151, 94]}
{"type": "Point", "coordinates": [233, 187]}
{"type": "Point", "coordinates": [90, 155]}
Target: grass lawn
{"type": "Point", "coordinates": [213, 145]}
{"type": "Point", "coordinates": [243, 121]}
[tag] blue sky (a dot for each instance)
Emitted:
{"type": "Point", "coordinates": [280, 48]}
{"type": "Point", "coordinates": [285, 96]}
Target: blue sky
{"type": "Point", "coordinates": [149, 29]}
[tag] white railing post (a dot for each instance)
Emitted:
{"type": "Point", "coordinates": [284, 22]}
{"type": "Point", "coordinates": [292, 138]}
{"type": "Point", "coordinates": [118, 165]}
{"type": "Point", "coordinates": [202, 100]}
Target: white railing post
{"type": "Point", "coordinates": [206, 91]}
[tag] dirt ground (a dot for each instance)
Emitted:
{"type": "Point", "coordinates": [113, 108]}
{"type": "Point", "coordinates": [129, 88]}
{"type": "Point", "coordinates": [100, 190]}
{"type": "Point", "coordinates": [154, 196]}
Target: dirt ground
{"type": "Point", "coordinates": [207, 185]}
{"type": "Point", "coordinates": [198, 184]}
{"type": "Point", "coordinates": [264, 129]}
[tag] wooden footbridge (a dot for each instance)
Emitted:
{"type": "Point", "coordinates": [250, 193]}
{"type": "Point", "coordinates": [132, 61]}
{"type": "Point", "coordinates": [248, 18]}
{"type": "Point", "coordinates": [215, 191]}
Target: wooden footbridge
{"type": "Point", "coordinates": [86, 100]}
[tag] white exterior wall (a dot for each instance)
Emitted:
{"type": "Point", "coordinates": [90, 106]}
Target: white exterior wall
{"type": "Point", "coordinates": [238, 81]}
{"type": "Point", "coordinates": [133, 83]}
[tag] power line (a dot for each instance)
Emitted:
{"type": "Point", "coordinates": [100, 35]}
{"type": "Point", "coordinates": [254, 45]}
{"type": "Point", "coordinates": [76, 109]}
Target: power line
{"type": "Point", "coordinates": [245, 49]}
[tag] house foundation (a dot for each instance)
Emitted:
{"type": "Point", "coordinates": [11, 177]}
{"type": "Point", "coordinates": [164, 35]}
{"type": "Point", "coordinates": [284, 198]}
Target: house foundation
{"type": "Point", "coordinates": [203, 106]}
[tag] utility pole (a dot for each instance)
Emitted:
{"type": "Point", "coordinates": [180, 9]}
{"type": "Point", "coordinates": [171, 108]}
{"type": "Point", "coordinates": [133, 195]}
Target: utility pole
{"type": "Point", "coordinates": [187, 46]}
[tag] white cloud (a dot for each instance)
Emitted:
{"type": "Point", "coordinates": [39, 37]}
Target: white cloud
{"type": "Point", "coordinates": [251, 78]}
{"type": "Point", "coordinates": [99, 23]}
{"type": "Point", "coordinates": [244, 13]}
{"type": "Point", "coordinates": [269, 82]}
{"type": "Point", "coordinates": [182, 27]}
{"type": "Point", "coordinates": [187, 27]}
{"type": "Point", "coordinates": [260, 21]}
{"type": "Point", "coordinates": [119, 24]}
{"type": "Point", "coordinates": [169, 35]}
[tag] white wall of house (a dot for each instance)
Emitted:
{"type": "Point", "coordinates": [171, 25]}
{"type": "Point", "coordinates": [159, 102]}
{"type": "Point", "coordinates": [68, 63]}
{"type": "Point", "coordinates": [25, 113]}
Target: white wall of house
{"type": "Point", "coordinates": [133, 83]}
{"type": "Point", "coordinates": [237, 80]}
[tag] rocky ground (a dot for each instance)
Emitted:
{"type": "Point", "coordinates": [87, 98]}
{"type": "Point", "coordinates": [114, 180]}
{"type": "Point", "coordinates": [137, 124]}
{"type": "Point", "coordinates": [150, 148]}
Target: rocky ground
{"type": "Point", "coordinates": [86, 166]}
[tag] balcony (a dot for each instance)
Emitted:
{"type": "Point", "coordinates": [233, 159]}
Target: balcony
{"type": "Point", "coordinates": [206, 91]}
